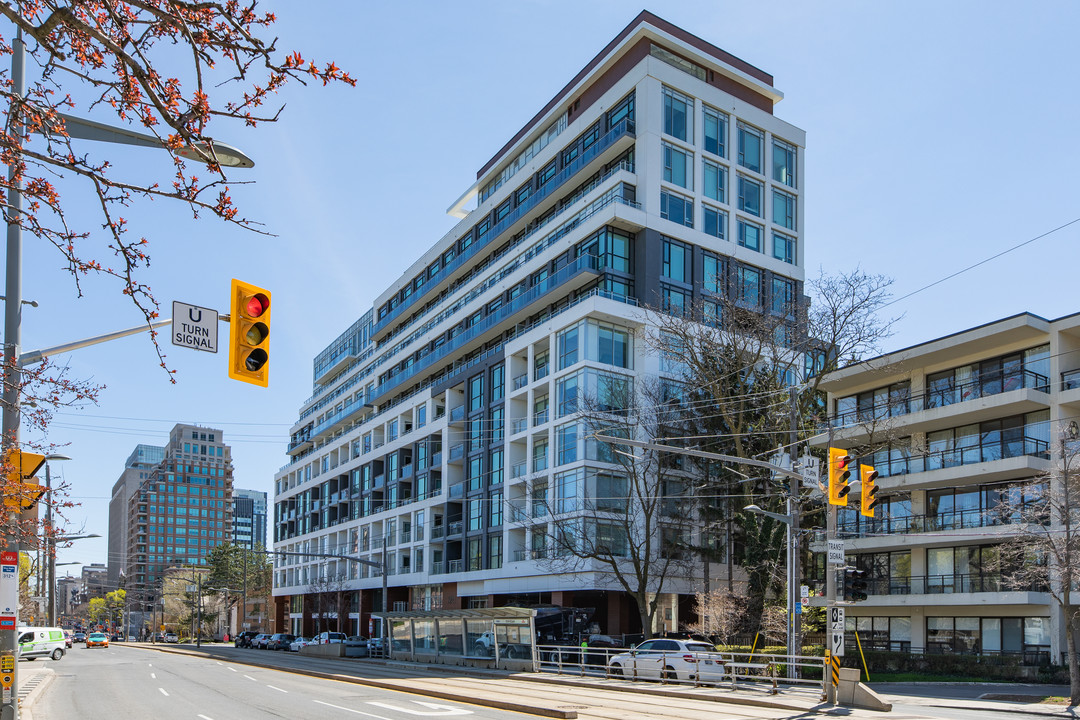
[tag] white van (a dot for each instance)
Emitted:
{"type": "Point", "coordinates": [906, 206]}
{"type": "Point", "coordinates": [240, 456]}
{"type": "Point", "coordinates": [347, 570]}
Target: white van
{"type": "Point", "coordinates": [35, 642]}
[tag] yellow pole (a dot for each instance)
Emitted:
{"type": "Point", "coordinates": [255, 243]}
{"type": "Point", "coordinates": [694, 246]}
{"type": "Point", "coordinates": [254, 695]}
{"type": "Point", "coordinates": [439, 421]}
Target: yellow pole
{"type": "Point", "coordinates": [864, 667]}
{"type": "Point", "coordinates": [754, 646]}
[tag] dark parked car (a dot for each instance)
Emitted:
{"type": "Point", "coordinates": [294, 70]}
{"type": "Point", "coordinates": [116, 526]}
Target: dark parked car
{"type": "Point", "coordinates": [244, 639]}
{"type": "Point", "coordinates": [279, 641]}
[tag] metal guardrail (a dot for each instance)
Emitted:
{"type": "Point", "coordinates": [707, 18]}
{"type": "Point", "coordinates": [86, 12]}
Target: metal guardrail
{"type": "Point", "coordinates": [715, 669]}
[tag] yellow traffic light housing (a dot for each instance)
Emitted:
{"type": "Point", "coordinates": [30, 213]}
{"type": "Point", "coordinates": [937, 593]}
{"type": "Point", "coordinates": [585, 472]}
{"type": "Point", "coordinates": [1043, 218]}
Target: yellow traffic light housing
{"type": "Point", "coordinates": [21, 491]}
{"type": "Point", "coordinates": [839, 472]}
{"type": "Point", "coordinates": [249, 333]}
{"type": "Point", "coordinates": [868, 476]}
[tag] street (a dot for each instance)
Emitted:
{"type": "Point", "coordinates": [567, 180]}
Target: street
{"type": "Point", "coordinates": [134, 683]}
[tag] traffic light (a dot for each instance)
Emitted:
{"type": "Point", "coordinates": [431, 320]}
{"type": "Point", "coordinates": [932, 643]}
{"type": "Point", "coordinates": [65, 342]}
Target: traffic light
{"type": "Point", "coordinates": [839, 472]}
{"type": "Point", "coordinates": [21, 491]}
{"type": "Point", "coordinates": [249, 334]}
{"type": "Point", "coordinates": [855, 584]}
{"type": "Point", "coordinates": [868, 475]}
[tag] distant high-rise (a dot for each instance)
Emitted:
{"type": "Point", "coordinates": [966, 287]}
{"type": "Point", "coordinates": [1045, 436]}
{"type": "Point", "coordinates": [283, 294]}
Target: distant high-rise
{"type": "Point", "coordinates": [183, 509]}
{"type": "Point", "coordinates": [142, 461]}
{"type": "Point", "coordinates": [249, 518]}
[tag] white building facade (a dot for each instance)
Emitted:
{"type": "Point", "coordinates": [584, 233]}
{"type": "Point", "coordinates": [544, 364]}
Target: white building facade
{"type": "Point", "coordinates": [955, 426]}
{"type": "Point", "coordinates": [659, 177]}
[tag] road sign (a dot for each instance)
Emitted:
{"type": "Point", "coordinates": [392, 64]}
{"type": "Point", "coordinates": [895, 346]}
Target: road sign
{"type": "Point", "coordinates": [194, 327]}
{"type": "Point", "coordinates": [836, 552]}
{"type": "Point", "coordinates": [836, 618]}
{"type": "Point", "coordinates": [810, 468]}
{"type": "Point", "coordinates": [836, 643]}
{"type": "Point", "coordinates": [804, 591]}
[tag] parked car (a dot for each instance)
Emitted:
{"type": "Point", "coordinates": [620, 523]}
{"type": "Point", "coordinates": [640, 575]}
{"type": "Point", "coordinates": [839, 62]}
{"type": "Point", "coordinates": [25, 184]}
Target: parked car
{"type": "Point", "coordinates": [356, 646]}
{"type": "Point", "coordinates": [97, 640]}
{"type": "Point", "coordinates": [259, 641]}
{"type": "Point", "coordinates": [279, 641]}
{"type": "Point", "coordinates": [244, 639]}
{"type": "Point", "coordinates": [329, 638]}
{"type": "Point", "coordinates": [672, 660]}
{"type": "Point", "coordinates": [297, 643]}
{"type": "Point", "coordinates": [171, 637]}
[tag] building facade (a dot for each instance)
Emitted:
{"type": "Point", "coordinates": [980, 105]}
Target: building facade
{"type": "Point", "coordinates": [960, 429]}
{"type": "Point", "coordinates": [249, 518]}
{"type": "Point", "coordinates": [439, 426]}
{"type": "Point", "coordinates": [142, 461]}
{"type": "Point", "coordinates": [182, 509]}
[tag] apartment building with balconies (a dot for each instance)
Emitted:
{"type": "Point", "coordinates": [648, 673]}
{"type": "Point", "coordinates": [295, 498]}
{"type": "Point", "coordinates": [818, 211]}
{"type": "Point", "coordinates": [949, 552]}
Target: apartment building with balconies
{"type": "Point", "coordinates": [438, 441]}
{"type": "Point", "coordinates": [960, 429]}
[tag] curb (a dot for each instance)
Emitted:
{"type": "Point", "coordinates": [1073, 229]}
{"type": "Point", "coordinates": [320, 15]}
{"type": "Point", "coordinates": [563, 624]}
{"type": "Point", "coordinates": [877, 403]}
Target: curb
{"type": "Point", "coordinates": [37, 684]}
{"type": "Point", "coordinates": [524, 708]}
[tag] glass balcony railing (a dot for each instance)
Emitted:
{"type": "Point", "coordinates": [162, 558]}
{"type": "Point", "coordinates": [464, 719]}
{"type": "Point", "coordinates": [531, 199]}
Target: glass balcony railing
{"type": "Point", "coordinates": [519, 425]}
{"type": "Point", "coordinates": [518, 469]}
{"type": "Point", "coordinates": [521, 381]}
{"type": "Point", "coordinates": [988, 582]}
{"type": "Point", "coordinates": [1070, 380]}
{"type": "Point", "coordinates": [585, 263]}
{"type": "Point", "coordinates": [902, 404]}
{"type": "Point", "coordinates": [937, 522]}
{"type": "Point", "coordinates": [454, 528]}
{"type": "Point", "coordinates": [967, 455]}
{"type": "Point", "coordinates": [455, 566]}
{"type": "Point", "coordinates": [624, 128]}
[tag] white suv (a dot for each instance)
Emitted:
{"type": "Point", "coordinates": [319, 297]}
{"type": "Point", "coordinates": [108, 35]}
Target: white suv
{"type": "Point", "coordinates": [328, 638]}
{"type": "Point", "coordinates": [673, 660]}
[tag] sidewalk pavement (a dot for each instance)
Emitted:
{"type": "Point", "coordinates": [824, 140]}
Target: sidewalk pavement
{"type": "Point", "coordinates": [33, 679]}
{"type": "Point", "coordinates": [979, 697]}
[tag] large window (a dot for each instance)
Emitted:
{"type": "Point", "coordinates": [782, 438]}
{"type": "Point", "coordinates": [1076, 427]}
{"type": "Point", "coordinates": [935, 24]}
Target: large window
{"type": "Point", "coordinates": [714, 178]}
{"type": "Point", "coordinates": [750, 192]}
{"type": "Point", "coordinates": [783, 209]}
{"type": "Point", "coordinates": [785, 248]}
{"type": "Point", "coordinates": [677, 115]}
{"type": "Point", "coordinates": [750, 235]}
{"type": "Point", "coordinates": [676, 208]}
{"type": "Point", "coordinates": [566, 444]}
{"type": "Point", "coordinates": [676, 166]}
{"type": "Point", "coordinates": [495, 509]}
{"type": "Point", "coordinates": [611, 246]}
{"type": "Point", "coordinates": [566, 490]}
{"type": "Point", "coordinates": [715, 222]}
{"type": "Point", "coordinates": [750, 143]}
{"type": "Point", "coordinates": [713, 275]}
{"type": "Point", "coordinates": [568, 347]}
{"type": "Point", "coordinates": [612, 345]}
{"type": "Point", "coordinates": [749, 286]}
{"type": "Point", "coordinates": [676, 261]}
{"type": "Point", "coordinates": [674, 300]}
{"type": "Point", "coordinates": [783, 295]}
{"type": "Point", "coordinates": [476, 507]}
{"type": "Point", "coordinates": [783, 165]}
{"type": "Point", "coordinates": [476, 393]}
{"type": "Point", "coordinates": [498, 381]}
{"type": "Point", "coordinates": [495, 553]}
{"type": "Point", "coordinates": [716, 124]}
{"type": "Point", "coordinates": [566, 394]}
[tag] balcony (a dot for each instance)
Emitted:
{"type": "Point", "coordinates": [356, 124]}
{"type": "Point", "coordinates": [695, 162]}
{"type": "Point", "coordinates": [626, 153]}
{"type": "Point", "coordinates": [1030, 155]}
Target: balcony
{"type": "Point", "coordinates": [518, 470]}
{"type": "Point", "coordinates": [522, 555]}
{"type": "Point", "coordinates": [540, 418]}
{"type": "Point", "coordinates": [949, 584]}
{"type": "Point", "coordinates": [573, 275]}
{"type": "Point", "coordinates": [909, 524]}
{"type": "Point", "coordinates": [438, 568]}
{"type": "Point", "coordinates": [455, 566]}
{"type": "Point", "coordinates": [623, 129]}
{"type": "Point", "coordinates": [539, 463]}
{"type": "Point", "coordinates": [520, 381]}
{"type": "Point", "coordinates": [457, 491]}
{"type": "Point", "coordinates": [457, 415]}
{"type": "Point", "coordinates": [457, 453]}
{"type": "Point", "coordinates": [437, 532]}
{"type": "Point", "coordinates": [519, 425]}
{"type": "Point", "coordinates": [968, 455]}
{"type": "Point", "coordinates": [900, 404]}
{"type": "Point", "coordinates": [454, 528]}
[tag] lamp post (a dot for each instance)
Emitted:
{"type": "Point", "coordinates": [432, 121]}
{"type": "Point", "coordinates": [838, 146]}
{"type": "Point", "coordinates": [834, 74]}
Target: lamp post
{"type": "Point", "coordinates": [50, 551]}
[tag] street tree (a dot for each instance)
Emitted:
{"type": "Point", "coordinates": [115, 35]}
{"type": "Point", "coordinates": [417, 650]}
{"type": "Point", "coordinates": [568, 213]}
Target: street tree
{"type": "Point", "coordinates": [634, 524]}
{"type": "Point", "coordinates": [237, 569]}
{"type": "Point", "coordinates": [180, 71]}
{"type": "Point", "coordinates": [736, 366]}
{"type": "Point", "coordinates": [1042, 551]}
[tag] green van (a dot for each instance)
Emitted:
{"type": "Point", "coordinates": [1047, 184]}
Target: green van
{"type": "Point", "coordinates": [35, 642]}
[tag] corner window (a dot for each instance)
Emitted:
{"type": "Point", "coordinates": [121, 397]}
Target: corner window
{"type": "Point", "coordinates": [750, 196]}
{"type": "Point", "coordinates": [676, 162]}
{"type": "Point", "coordinates": [750, 142]}
{"type": "Point", "coordinates": [716, 124]}
{"type": "Point", "coordinates": [750, 236]}
{"type": "Point", "coordinates": [714, 177]}
{"type": "Point", "coordinates": [677, 116]}
{"type": "Point", "coordinates": [783, 164]}
{"type": "Point", "coordinates": [783, 209]}
{"type": "Point", "coordinates": [676, 208]}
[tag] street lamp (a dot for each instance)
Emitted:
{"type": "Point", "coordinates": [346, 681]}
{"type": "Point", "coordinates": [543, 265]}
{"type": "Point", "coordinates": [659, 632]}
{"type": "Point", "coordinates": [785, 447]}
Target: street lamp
{"type": "Point", "coordinates": [50, 551]}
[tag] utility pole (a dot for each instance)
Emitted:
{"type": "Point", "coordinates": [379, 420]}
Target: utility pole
{"type": "Point", "coordinates": [243, 610]}
{"type": "Point", "coordinates": [795, 633]}
{"type": "Point", "coordinates": [198, 599]}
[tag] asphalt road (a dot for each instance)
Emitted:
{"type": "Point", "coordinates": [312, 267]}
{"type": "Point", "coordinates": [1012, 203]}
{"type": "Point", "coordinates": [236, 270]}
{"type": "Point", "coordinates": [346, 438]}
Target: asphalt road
{"type": "Point", "coordinates": [134, 683]}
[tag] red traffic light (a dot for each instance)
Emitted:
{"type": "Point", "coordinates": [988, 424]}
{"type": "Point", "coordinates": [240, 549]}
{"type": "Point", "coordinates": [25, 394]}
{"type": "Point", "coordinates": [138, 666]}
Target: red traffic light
{"type": "Point", "coordinates": [256, 305]}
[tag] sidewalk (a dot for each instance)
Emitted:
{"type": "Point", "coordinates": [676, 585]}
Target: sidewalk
{"type": "Point", "coordinates": [978, 697]}
{"type": "Point", "coordinates": [33, 679]}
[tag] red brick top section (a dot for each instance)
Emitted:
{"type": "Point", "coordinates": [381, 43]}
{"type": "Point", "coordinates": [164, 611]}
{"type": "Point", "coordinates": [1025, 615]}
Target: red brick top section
{"type": "Point", "coordinates": [644, 17]}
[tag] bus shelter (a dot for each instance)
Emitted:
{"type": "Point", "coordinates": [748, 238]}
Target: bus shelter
{"type": "Point", "coordinates": [501, 637]}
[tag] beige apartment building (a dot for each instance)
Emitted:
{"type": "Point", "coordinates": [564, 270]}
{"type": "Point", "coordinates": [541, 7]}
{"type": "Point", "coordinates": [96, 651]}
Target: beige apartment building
{"type": "Point", "coordinates": [954, 426]}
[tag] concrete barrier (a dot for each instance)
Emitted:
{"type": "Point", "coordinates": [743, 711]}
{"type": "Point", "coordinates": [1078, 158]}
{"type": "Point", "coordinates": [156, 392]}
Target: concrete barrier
{"type": "Point", "coordinates": [329, 650]}
{"type": "Point", "coordinates": [852, 693]}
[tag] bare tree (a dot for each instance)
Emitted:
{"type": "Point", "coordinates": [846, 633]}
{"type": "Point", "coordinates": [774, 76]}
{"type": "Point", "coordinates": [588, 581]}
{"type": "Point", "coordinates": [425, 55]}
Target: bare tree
{"type": "Point", "coordinates": [1043, 551]}
{"type": "Point", "coordinates": [329, 597]}
{"type": "Point", "coordinates": [721, 614]}
{"type": "Point", "coordinates": [634, 522]}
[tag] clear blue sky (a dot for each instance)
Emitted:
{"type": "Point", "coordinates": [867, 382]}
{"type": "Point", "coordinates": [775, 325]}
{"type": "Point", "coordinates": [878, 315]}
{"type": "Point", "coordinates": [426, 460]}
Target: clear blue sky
{"type": "Point", "coordinates": [938, 134]}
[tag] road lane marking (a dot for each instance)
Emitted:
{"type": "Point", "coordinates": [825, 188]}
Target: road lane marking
{"type": "Point", "coordinates": [278, 689]}
{"type": "Point", "coordinates": [233, 669]}
{"type": "Point", "coordinates": [339, 707]}
{"type": "Point", "coordinates": [163, 692]}
{"type": "Point", "coordinates": [204, 717]}
{"type": "Point", "coordinates": [251, 678]}
{"type": "Point", "coordinates": [153, 676]}
{"type": "Point", "coordinates": [440, 710]}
